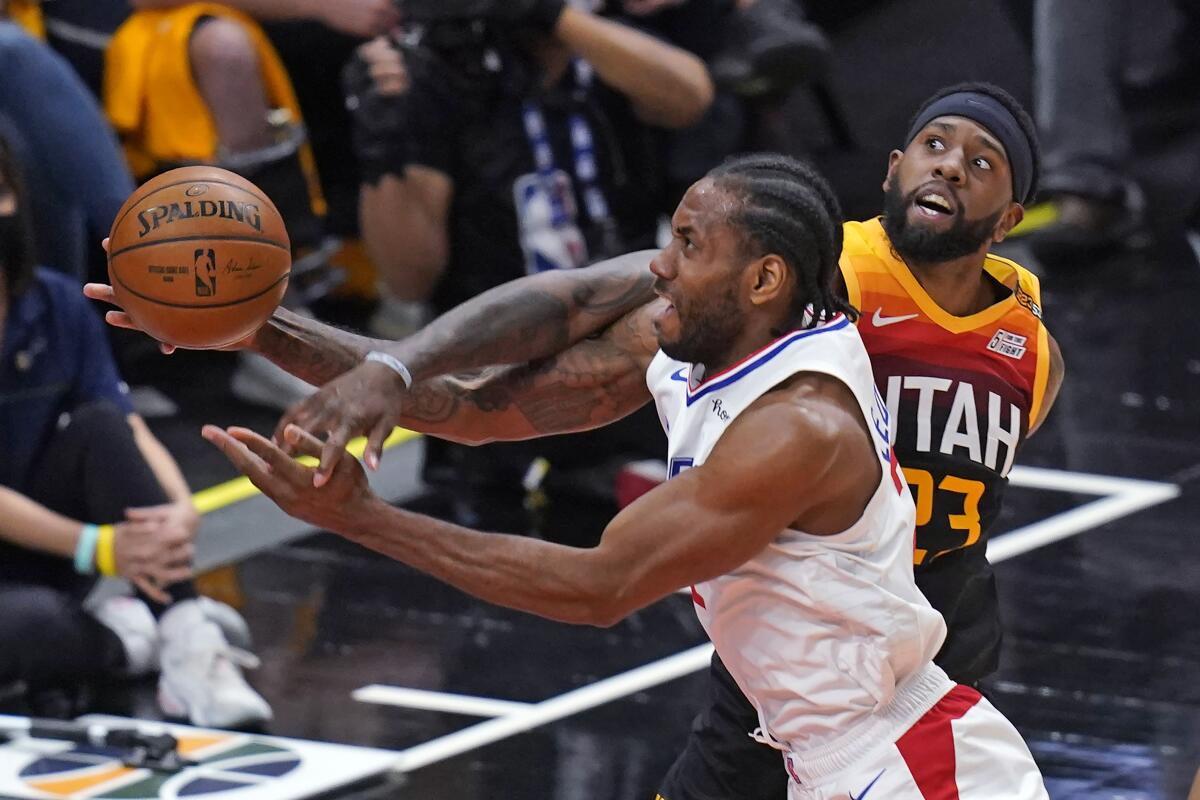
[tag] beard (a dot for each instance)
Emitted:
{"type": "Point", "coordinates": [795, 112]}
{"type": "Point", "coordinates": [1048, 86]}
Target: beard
{"type": "Point", "coordinates": [921, 245]}
{"type": "Point", "coordinates": [707, 329]}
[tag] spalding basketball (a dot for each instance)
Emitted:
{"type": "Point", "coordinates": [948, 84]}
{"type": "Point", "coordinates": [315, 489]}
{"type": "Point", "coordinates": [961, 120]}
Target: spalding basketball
{"type": "Point", "coordinates": [199, 257]}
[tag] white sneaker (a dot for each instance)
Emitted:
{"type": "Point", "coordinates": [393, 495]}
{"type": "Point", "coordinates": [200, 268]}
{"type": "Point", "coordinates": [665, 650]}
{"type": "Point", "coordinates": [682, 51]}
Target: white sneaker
{"type": "Point", "coordinates": [133, 623]}
{"type": "Point", "coordinates": [201, 674]}
{"type": "Point", "coordinates": [231, 623]}
{"type": "Point", "coordinates": [259, 381]}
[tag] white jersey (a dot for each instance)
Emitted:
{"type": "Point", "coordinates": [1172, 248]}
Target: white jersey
{"type": "Point", "coordinates": [820, 632]}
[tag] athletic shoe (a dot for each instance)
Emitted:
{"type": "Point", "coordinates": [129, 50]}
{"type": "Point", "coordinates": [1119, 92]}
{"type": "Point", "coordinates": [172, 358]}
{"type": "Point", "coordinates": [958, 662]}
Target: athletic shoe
{"type": "Point", "coordinates": [133, 623]}
{"type": "Point", "coordinates": [231, 623]}
{"type": "Point", "coordinates": [202, 675]}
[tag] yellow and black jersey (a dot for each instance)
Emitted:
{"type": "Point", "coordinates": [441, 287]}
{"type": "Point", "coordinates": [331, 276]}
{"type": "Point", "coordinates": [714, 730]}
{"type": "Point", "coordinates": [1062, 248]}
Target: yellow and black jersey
{"type": "Point", "coordinates": [961, 394]}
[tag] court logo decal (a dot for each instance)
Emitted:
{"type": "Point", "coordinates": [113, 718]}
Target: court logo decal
{"type": "Point", "coordinates": [227, 765]}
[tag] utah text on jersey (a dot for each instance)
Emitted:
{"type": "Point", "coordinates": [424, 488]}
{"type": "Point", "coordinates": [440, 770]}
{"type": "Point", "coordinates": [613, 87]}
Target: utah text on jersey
{"type": "Point", "coordinates": [961, 391]}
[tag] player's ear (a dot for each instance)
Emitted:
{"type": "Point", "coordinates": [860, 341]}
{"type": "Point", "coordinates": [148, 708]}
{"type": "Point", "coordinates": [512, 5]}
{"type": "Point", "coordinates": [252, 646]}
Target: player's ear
{"type": "Point", "coordinates": [1010, 219]}
{"type": "Point", "coordinates": [894, 159]}
{"type": "Point", "coordinates": [769, 275]}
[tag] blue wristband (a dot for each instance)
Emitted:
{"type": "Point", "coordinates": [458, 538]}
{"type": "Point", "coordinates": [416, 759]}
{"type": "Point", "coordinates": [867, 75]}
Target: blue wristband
{"type": "Point", "coordinates": [85, 550]}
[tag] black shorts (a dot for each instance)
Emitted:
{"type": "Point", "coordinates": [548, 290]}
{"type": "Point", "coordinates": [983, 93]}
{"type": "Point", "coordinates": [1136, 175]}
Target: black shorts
{"type": "Point", "coordinates": [721, 761]}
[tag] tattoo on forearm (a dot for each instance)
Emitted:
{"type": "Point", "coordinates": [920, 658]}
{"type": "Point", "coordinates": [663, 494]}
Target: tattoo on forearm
{"type": "Point", "coordinates": [523, 321]}
{"type": "Point", "coordinates": [592, 383]}
{"type": "Point", "coordinates": [313, 351]}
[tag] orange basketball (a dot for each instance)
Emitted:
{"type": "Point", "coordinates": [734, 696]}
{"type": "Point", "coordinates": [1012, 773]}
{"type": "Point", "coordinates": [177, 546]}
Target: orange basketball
{"type": "Point", "coordinates": [199, 257]}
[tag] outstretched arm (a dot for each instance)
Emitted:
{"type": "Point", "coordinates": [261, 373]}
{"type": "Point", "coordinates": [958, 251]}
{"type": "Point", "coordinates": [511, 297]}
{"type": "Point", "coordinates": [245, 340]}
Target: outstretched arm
{"type": "Point", "coordinates": [523, 320]}
{"type": "Point", "coordinates": [788, 458]}
{"type": "Point", "coordinates": [590, 384]}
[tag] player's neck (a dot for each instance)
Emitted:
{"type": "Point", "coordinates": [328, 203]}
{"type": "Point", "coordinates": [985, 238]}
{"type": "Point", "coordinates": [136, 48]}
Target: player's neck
{"type": "Point", "coordinates": [754, 337]}
{"type": "Point", "coordinates": [959, 287]}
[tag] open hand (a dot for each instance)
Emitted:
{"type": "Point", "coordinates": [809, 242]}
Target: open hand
{"type": "Point", "coordinates": [119, 319]}
{"type": "Point", "coordinates": [364, 401]}
{"type": "Point", "coordinates": [342, 501]}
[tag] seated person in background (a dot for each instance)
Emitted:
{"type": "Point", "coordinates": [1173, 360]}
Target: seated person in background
{"type": "Point", "coordinates": [526, 143]}
{"type": "Point", "coordinates": [199, 82]}
{"type": "Point", "coordinates": [85, 488]}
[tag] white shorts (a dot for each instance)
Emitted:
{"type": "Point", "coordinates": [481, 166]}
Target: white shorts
{"type": "Point", "coordinates": [961, 749]}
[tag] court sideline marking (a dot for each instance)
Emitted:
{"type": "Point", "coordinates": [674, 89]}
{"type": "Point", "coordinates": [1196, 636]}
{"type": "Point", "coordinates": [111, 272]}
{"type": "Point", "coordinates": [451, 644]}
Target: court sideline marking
{"type": "Point", "coordinates": [1119, 497]}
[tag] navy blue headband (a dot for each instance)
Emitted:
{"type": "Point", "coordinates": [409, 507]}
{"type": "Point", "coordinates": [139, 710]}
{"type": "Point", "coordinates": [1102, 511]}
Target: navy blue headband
{"type": "Point", "coordinates": [991, 114]}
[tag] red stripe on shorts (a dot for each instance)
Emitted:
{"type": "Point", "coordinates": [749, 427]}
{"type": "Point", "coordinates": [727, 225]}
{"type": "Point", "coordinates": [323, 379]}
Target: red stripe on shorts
{"type": "Point", "coordinates": [928, 746]}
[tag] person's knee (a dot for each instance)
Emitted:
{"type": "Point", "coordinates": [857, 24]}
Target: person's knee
{"type": "Point", "coordinates": [221, 50]}
{"type": "Point", "coordinates": [32, 613]}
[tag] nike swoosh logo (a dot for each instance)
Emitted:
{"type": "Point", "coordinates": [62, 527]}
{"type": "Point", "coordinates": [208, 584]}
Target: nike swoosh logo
{"type": "Point", "coordinates": [863, 793]}
{"type": "Point", "coordinates": [679, 376]}
{"type": "Point", "coordinates": [880, 321]}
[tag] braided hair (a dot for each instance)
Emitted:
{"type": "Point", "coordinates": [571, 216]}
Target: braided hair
{"type": "Point", "coordinates": [786, 208]}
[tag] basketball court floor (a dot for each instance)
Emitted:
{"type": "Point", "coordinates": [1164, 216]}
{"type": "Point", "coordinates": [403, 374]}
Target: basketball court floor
{"type": "Point", "coordinates": [439, 696]}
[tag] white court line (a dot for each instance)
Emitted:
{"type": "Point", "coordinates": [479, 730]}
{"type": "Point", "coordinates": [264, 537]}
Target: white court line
{"type": "Point", "coordinates": [1079, 519]}
{"type": "Point", "coordinates": [1121, 497]}
{"type": "Point", "coordinates": [437, 701]}
{"type": "Point", "coordinates": [1056, 480]}
{"type": "Point", "coordinates": [556, 708]}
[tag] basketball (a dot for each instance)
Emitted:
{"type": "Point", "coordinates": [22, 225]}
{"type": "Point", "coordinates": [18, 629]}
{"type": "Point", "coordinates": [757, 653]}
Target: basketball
{"type": "Point", "coordinates": [199, 257]}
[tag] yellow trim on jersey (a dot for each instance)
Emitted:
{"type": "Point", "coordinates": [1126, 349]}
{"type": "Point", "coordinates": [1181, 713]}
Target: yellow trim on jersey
{"type": "Point", "coordinates": [1031, 283]}
{"type": "Point", "coordinates": [939, 315]}
{"type": "Point", "coordinates": [1041, 375]}
{"type": "Point", "coordinates": [1003, 270]}
{"type": "Point", "coordinates": [853, 290]}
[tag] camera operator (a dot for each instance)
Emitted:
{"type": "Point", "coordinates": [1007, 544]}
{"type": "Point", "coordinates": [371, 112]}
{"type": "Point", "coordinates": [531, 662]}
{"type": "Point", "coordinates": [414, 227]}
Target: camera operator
{"type": "Point", "coordinates": [501, 137]}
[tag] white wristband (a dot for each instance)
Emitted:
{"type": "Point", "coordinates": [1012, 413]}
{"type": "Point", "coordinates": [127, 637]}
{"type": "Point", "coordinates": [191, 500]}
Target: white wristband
{"type": "Point", "coordinates": [395, 364]}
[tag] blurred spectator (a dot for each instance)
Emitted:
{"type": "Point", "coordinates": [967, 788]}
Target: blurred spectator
{"type": "Point", "coordinates": [85, 487]}
{"type": "Point", "coordinates": [199, 82]}
{"type": "Point", "coordinates": [770, 48]}
{"type": "Point", "coordinates": [186, 82]}
{"type": "Point", "coordinates": [491, 148]}
{"type": "Point", "coordinates": [1079, 52]}
{"type": "Point", "coordinates": [490, 151]}
{"type": "Point", "coordinates": [77, 176]}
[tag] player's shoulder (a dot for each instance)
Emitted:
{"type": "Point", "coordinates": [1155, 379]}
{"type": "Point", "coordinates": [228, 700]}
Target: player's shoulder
{"type": "Point", "coordinates": [860, 237]}
{"type": "Point", "coordinates": [1025, 284]}
{"type": "Point", "coordinates": [814, 407]}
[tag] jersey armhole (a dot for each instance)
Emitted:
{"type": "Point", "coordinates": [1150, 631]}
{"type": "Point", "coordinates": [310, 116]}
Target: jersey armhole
{"type": "Point", "coordinates": [1041, 375]}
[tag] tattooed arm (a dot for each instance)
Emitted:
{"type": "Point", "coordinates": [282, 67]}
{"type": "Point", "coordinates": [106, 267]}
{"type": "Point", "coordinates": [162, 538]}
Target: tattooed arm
{"type": "Point", "coordinates": [525, 319]}
{"type": "Point", "coordinates": [522, 320]}
{"type": "Point", "coordinates": [590, 384]}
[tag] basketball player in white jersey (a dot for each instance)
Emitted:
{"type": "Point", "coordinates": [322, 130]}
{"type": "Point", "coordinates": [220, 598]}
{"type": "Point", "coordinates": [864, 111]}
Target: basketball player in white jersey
{"type": "Point", "coordinates": [786, 511]}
